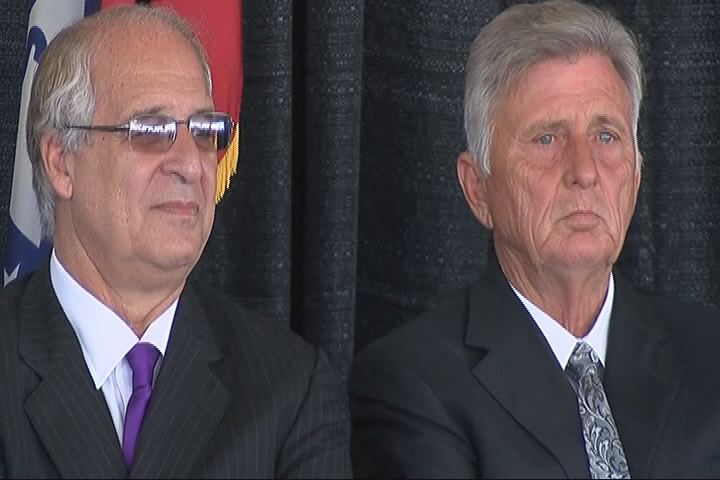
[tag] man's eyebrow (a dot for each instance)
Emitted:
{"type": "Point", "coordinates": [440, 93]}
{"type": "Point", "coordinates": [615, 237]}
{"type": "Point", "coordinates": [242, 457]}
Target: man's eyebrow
{"type": "Point", "coordinates": [545, 124]}
{"type": "Point", "coordinates": [160, 110]}
{"type": "Point", "coordinates": [154, 110]}
{"type": "Point", "coordinates": [563, 124]}
{"type": "Point", "coordinates": [600, 120]}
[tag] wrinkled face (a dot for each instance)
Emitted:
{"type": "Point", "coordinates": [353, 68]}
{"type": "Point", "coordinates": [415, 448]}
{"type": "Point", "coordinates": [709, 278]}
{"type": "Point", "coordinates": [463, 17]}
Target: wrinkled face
{"type": "Point", "coordinates": [564, 179]}
{"type": "Point", "coordinates": [136, 213]}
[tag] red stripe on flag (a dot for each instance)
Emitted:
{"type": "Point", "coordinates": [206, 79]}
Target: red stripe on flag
{"type": "Point", "coordinates": [219, 26]}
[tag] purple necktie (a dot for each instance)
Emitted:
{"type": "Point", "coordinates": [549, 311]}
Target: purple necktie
{"type": "Point", "coordinates": [142, 358]}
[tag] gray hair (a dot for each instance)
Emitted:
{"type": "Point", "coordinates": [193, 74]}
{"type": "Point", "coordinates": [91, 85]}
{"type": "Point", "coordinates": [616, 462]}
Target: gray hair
{"type": "Point", "coordinates": [63, 94]}
{"type": "Point", "coordinates": [527, 34]}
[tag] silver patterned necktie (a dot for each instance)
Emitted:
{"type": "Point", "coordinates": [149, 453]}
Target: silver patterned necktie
{"type": "Point", "coordinates": [606, 457]}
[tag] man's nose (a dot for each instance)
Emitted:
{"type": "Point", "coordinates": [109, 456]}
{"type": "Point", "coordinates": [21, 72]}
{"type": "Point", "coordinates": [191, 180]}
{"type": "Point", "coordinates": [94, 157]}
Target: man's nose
{"type": "Point", "coordinates": [185, 158]}
{"type": "Point", "coordinates": [581, 164]}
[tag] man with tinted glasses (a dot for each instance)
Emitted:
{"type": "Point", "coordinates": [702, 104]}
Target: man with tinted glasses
{"type": "Point", "coordinates": [111, 362]}
{"type": "Point", "coordinates": [551, 365]}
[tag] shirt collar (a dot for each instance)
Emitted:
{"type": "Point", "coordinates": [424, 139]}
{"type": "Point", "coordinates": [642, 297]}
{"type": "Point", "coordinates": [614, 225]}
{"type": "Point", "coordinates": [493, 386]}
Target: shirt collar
{"type": "Point", "coordinates": [104, 337]}
{"type": "Point", "coordinates": [563, 342]}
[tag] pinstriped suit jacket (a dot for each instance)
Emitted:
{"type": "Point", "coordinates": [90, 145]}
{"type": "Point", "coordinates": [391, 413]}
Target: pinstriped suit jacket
{"type": "Point", "coordinates": [236, 396]}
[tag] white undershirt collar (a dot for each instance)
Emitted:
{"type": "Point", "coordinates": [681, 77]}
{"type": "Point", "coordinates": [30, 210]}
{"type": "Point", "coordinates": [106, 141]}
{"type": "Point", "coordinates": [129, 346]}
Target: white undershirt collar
{"type": "Point", "coordinates": [563, 342]}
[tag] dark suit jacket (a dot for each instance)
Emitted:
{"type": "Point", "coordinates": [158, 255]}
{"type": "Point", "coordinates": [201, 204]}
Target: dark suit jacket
{"type": "Point", "coordinates": [236, 396]}
{"type": "Point", "coordinates": [472, 389]}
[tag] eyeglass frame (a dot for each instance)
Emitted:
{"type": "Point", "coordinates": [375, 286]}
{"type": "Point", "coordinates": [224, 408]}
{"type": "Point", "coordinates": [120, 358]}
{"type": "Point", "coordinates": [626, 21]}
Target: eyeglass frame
{"type": "Point", "coordinates": [127, 127]}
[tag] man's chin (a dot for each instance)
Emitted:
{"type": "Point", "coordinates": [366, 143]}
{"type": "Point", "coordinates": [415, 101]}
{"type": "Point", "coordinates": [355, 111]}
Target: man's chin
{"type": "Point", "coordinates": [583, 260]}
{"type": "Point", "coordinates": [175, 258]}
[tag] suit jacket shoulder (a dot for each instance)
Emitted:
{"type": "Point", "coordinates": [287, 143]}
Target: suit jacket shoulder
{"type": "Point", "coordinates": [282, 389]}
{"type": "Point", "coordinates": [690, 324]}
{"type": "Point", "coordinates": [235, 327]}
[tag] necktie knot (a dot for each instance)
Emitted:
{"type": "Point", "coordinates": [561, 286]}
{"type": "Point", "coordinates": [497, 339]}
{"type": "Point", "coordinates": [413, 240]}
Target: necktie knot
{"type": "Point", "coordinates": [584, 363]}
{"type": "Point", "coordinates": [142, 359]}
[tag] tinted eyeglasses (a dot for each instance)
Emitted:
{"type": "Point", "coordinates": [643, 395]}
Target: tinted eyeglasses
{"type": "Point", "coordinates": [155, 133]}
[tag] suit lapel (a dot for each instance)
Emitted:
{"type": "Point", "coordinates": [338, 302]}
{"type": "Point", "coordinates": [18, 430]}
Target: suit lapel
{"type": "Point", "coordinates": [521, 372]}
{"type": "Point", "coordinates": [641, 378]}
{"type": "Point", "coordinates": [70, 416]}
{"type": "Point", "coordinates": [188, 399]}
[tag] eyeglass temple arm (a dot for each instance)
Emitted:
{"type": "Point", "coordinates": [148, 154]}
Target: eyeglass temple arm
{"type": "Point", "coordinates": [102, 128]}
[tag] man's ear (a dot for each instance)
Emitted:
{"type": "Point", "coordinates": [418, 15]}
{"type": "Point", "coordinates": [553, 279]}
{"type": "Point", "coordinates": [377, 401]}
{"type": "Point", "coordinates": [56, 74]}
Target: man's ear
{"type": "Point", "coordinates": [638, 173]}
{"type": "Point", "coordinates": [474, 186]}
{"type": "Point", "coordinates": [55, 161]}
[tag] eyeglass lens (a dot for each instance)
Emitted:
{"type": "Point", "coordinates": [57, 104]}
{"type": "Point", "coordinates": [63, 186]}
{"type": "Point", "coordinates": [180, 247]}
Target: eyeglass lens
{"type": "Point", "coordinates": [156, 133]}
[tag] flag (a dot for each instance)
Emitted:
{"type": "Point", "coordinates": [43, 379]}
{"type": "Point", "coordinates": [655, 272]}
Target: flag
{"type": "Point", "coordinates": [219, 26]}
{"type": "Point", "coordinates": [25, 247]}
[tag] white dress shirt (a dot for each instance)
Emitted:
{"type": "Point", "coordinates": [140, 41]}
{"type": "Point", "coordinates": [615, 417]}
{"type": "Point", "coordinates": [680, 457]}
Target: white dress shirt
{"type": "Point", "coordinates": [563, 342]}
{"type": "Point", "coordinates": [105, 339]}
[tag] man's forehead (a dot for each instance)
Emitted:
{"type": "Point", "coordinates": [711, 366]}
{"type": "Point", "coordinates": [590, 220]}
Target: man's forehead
{"type": "Point", "coordinates": [127, 65]}
{"type": "Point", "coordinates": [135, 43]}
{"type": "Point", "coordinates": [594, 86]}
{"type": "Point", "coordinates": [165, 77]}
{"type": "Point", "coordinates": [536, 71]}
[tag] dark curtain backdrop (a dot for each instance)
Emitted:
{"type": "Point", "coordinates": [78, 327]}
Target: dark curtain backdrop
{"type": "Point", "coordinates": [345, 218]}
